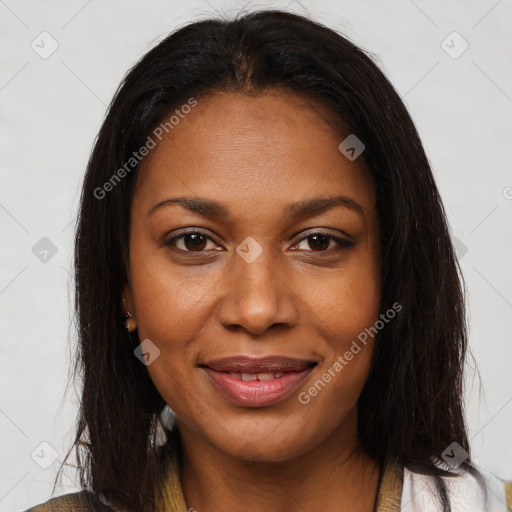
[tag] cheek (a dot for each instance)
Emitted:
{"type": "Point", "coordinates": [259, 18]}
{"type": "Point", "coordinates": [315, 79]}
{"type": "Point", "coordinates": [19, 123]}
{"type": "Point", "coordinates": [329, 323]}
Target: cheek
{"type": "Point", "coordinates": [171, 308]}
{"type": "Point", "coordinates": [346, 304]}
{"type": "Point", "coordinates": [346, 311]}
{"type": "Point", "coordinates": [352, 310]}
{"type": "Point", "coordinates": [171, 302]}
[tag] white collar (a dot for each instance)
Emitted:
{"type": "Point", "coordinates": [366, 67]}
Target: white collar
{"type": "Point", "coordinates": [465, 493]}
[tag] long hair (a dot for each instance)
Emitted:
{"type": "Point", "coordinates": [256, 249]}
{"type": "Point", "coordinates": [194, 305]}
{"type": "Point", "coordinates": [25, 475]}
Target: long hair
{"type": "Point", "coordinates": [410, 409]}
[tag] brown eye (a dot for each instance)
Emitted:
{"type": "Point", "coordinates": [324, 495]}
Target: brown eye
{"type": "Point", "coordinates": [194, 241]}
{"type": "Point", "coordinates": [197, 242]}
{"type": "Point", "coordinates": [189, 242]}
{"type": "Point", "coordinates": [321, 243]}
{"type": "Point", "coordinates": [318, 242]}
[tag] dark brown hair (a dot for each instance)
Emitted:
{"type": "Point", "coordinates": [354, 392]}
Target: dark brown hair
{"type": "Point", "coordinates": [411, 407]}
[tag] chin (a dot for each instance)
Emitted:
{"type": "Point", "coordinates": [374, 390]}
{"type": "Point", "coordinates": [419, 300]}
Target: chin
{"type": "Point", "coordinates": [271, 452]}
{"type": "Point", "coordinates": [266, 442]}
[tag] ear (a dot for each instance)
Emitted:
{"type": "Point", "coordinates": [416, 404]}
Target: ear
{"type": "Point", "coordinates": [127, 300]}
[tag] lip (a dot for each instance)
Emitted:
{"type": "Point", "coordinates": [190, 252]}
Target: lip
{"type": "Point", "coordinates": [246, 364]}
{"type": "Point", "coordinates": [257, 393]}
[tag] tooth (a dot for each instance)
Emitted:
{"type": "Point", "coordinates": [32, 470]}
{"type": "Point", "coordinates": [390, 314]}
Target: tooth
{"type": "Point", "coordinates": [278, 374]}
{"type": "Point", "coordinates": [237, 376]}
{"type": "Point", "coordinates": [265, 376]}
{"type": "Point", "coordinates": [249, 376]}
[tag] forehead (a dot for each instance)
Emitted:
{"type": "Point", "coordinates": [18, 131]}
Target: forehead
{"type": "Point", "coordinates": [272, 147]}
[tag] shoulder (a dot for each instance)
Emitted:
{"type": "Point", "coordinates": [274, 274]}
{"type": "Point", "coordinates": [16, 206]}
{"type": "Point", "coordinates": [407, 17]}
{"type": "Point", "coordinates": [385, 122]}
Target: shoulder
{"type": "Point", "coordinates": [82, 501]}
{"type": "Point", "coordinates": [465, 491]}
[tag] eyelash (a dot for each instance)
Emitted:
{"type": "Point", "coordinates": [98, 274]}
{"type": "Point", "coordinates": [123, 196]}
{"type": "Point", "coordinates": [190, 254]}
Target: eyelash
{"type": "Point", "coordinates": [342, 243]}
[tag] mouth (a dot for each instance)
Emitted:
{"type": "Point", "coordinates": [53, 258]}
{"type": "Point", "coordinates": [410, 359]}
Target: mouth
{"type": "Point", "coordinates": [257, 382]}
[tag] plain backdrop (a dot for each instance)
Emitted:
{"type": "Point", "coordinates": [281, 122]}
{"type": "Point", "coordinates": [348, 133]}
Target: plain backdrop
{"type": "Point", "coordinates": [450, 61]}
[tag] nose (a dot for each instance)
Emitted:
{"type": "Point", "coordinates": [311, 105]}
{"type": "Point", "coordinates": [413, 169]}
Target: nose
{"type": "Point", "coordinates": [258, 295]}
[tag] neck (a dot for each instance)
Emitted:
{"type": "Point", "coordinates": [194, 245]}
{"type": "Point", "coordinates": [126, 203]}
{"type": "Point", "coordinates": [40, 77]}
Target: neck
{"type": "Point", "coordinates": [335, 475]}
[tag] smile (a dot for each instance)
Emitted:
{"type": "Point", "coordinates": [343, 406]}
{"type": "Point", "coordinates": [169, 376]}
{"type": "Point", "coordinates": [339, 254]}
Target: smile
{"type": "Point", "coordinates": [264, 382]}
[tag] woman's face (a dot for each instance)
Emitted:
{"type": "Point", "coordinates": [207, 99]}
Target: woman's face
{"type": "Point", "coordinates": [267, 288]}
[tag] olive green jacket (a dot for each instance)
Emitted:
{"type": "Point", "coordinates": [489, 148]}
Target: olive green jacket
{"type": "Point", "coordinates": [77, 502]}
{"type": "Point", "coordinates": [400, 490]}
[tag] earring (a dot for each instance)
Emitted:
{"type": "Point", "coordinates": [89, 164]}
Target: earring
{"type": "Point", "coordinates": [130, 323]}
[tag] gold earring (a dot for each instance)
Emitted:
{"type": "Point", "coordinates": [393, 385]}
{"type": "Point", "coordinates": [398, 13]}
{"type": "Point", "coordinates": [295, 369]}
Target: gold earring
{"type": "Point", "coordinates": [130, 323]}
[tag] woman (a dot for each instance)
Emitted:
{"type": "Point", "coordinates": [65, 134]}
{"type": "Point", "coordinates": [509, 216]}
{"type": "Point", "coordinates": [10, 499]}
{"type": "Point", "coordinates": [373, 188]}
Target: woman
{"type": "Point", "coordinates": [260, 216]}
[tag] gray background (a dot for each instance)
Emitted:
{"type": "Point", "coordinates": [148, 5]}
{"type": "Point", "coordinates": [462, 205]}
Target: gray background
{"type": "Point", "coordinates": [51, 109]}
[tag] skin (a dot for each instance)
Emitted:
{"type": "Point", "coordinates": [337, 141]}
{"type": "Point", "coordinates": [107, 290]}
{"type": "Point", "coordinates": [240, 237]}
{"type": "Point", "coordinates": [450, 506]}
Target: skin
{"type": "Point", "coordinates": [256, 154]}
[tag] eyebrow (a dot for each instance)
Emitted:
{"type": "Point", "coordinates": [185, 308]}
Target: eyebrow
{"type": "Point", "coordinates": [292, 211]}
